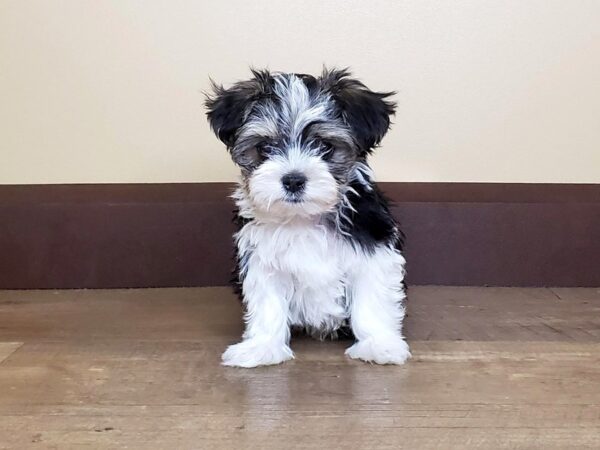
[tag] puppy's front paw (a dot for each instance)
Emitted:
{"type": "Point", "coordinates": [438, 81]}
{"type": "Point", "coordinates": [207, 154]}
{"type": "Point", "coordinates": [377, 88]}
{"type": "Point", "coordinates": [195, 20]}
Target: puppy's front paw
{"type": "Point", "coordinates": [390, 350]}
{"type": "Point", "coordinates": [255, 352]}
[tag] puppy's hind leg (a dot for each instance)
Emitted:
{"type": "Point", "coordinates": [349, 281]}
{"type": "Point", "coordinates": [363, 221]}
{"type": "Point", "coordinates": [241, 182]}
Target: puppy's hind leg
{"type": "Point", "coordinates": [266, 338]}
{"type": "Point", "coordinates": [377, 309]}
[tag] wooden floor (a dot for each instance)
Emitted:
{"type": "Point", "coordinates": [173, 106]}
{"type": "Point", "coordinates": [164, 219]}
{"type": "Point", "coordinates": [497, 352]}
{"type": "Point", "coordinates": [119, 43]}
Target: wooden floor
{"type": "Point", "coordinates": [493, 368]}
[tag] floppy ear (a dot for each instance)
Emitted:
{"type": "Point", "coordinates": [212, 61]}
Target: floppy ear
{"type": "Point", "coordinates": [366, 112]}
{"type": "Point", "coordinates": [227, 109]}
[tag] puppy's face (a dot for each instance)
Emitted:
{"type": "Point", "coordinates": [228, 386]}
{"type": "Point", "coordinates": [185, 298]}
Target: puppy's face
{"type": "Point", "coordinates": [297, 138]}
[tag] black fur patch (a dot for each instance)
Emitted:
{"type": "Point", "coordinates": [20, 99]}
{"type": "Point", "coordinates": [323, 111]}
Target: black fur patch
{"type": "Point", "coordinates": [366, 112]}
{"type": "Point", "coordinates": [227, 108]}
{"type": "Point", "coordinates": [371, 223]}
{"type": "Point", "coordinates": [237, 279]}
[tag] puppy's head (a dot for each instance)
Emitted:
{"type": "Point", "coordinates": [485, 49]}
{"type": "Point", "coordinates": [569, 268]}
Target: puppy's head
{"type": "Point", "coordinates": [298, 139]}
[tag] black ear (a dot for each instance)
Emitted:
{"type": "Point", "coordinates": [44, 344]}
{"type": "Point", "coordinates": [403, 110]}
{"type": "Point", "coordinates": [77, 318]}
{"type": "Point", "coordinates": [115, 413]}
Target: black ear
{"type": "Point", "coordinates": [227, 109]}
{"type": "Point", "coordinates": [366, 112]}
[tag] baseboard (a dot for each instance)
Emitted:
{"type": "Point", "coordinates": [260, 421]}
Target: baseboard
{"type": "Point", "coordinates": [160, 235]}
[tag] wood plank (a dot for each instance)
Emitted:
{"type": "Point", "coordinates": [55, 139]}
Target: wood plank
{"type": "Point", "coordinates": [490, 313]}
{"type": "Point", "coordinates": [434, 313]}
{"type": "Point", "coordinates": [305, 432]}
{"type": "Point", "coordinates": [7, 349]}
{"type": "Point", "coordinates": [577, 294]}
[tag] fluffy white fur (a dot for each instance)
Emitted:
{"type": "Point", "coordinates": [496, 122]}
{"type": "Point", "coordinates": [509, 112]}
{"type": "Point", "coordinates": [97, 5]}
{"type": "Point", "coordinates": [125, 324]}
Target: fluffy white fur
{"type": "Point", "coordinates": [301, 273]}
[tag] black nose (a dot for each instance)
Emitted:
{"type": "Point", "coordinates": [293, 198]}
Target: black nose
{"type": "Point", "coordinates": [293, 182]}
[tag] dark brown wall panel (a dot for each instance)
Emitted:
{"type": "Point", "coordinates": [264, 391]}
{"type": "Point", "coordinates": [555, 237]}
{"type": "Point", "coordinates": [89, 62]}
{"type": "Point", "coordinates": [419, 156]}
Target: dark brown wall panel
{"type": "Point", "coordinates": [100, 236]}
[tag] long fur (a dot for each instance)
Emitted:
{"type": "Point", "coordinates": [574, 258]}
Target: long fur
{"type": "Point", "coordinates": [326, 254]}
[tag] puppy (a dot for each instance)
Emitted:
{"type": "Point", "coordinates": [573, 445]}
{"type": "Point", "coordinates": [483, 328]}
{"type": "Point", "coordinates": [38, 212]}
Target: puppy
{"type": "Point", "coordinates": [318, 247]}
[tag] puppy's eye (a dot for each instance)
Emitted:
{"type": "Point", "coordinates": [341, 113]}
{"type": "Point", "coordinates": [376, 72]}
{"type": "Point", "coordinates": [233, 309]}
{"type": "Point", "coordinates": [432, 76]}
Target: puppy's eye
{"type": "Point", "coordinates": [261, 146]}
{"type": "Point", "coordinates": [327, 149]}
{"type": "Point", "coordinates": [253, 156]}
{"type": "Point", "coordinates": [263, 149]}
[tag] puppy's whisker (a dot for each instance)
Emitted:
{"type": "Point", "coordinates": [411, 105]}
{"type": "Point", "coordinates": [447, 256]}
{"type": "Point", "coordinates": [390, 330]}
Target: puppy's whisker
{"type": "Point", "coordinates": [269, 201]}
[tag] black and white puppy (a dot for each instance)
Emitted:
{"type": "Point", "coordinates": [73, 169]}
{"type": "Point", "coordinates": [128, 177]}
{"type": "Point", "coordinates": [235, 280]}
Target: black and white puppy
{"type": "Point", "coordinates": [318, 247]}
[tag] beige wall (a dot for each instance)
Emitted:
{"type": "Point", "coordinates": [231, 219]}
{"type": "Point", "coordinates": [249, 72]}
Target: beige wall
{"type": "Point", "coordinates": [110, 91]}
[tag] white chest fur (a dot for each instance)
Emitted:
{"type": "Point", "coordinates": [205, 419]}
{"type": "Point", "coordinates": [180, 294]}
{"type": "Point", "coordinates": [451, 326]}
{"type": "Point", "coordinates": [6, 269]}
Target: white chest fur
{"type": "Point", "coordinates": [304, 274]}
{"type": "Point", "coordinates": [309, 263]}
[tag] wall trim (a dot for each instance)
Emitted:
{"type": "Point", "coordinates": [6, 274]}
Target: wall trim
{"type": "Point", "coordinates": [161, 235]}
